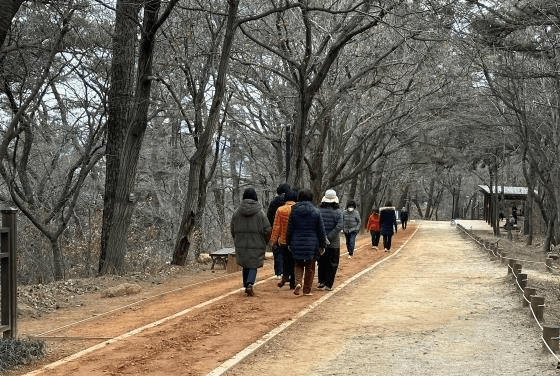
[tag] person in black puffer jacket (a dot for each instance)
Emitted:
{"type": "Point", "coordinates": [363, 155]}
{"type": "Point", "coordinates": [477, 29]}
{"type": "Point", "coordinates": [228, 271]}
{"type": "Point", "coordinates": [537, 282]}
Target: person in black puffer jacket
{"type": "Point", "coordinates": [250, 230]}
{"type": "Point", "coordinates": [387, 221]}
{"type": "Point", "coordinates": [305, 237]}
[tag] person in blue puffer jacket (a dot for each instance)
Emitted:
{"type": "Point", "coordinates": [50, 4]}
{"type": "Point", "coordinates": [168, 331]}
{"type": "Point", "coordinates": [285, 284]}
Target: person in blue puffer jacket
{"type": "Point", "coordinates": [305, 237]}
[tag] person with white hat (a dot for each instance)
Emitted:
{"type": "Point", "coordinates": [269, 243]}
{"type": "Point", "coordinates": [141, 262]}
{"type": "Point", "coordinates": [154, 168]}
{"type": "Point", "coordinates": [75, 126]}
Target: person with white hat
{"type": "Point", "coordinates": [327, 264]}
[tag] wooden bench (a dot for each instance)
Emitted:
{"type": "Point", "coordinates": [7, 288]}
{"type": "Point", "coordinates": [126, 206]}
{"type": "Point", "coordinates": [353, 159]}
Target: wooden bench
{"type": "Point", "coordinates": [221, 256]}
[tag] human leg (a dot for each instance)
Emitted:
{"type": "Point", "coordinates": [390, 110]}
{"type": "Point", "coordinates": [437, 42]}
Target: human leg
{"type": "Point", "coordinates": [351, 242]}
{"type": "Point", "coordinates": [249, 276]}
{"type": "Point", "coordinates": [376, 235]}
{"type": "Point", "coordinates": [278, 258]}
{"type": "Point", "coordinates": [333, 259]}
{"type": "Point", "coordinates": [388, 244]}
{"type": "Point", "coordinates": [298, 269]}
{"type": "Point", "coordinates": [322, 269]}
{"type": "Point", "coordinates": [309, 274]}
{"type": "Point", "coordinates": [287, 267]}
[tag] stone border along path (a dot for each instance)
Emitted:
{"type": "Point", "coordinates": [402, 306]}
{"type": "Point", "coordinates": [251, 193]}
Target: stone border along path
{"type": "Point", "coordinates": [437, 306]}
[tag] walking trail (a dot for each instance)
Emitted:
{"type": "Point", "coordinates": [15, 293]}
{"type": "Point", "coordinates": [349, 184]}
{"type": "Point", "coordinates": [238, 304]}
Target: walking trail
{"type": "Point", "coordinates": [437, 306]}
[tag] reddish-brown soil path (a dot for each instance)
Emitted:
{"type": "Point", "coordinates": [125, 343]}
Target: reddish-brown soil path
{"type": "Point", "coordinates": [214, 321]}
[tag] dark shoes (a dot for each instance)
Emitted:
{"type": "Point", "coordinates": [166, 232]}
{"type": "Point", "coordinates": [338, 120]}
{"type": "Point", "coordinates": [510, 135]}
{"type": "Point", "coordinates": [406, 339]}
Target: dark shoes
{"type": "Point", "coordinates": [282, 282]}
{"type": "Point", "coordinates": [249, 290]}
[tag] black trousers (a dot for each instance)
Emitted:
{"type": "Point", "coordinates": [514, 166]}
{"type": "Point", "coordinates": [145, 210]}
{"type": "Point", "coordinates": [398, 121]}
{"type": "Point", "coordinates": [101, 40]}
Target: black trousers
{"type": "Point", "coordinates": [328, 266]}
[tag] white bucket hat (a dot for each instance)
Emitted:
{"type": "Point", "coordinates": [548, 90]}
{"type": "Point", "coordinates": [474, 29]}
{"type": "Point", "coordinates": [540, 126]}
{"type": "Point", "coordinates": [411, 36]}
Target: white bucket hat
{"type": "Point", "coordinates": [330, 196]}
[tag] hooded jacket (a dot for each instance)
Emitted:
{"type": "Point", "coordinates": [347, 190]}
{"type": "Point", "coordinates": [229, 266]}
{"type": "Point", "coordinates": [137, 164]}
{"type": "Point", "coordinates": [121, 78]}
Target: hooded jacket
{"type": "Point", "coordinates": [306, 233]}
{"type": "Point", "coordinates": [250, 230]}
{"type": "Point", "coordinates": [387, 220]}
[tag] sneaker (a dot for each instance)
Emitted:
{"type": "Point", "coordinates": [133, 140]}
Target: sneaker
{"type": "Point", "coordinates": [374, 247]}
{"type": "Point", "coordinates": [296, 289]}
{"type": "Point", "coordinates": [349, 256]}
{"type": "Point", "coordinates": [320, 285]}
{"type": "Point", "coordinates": [279, 276]}
{"type": "Point", "coordinates": [307, 294]}
{"type": "Point", "coordinates": [386, 250]}
{"type": "Point", "coordinates": [249, 290]}
{"type": "Point", "coordinates": [327, 288]}
{"type": "Point", "coordinates": [282, 282]}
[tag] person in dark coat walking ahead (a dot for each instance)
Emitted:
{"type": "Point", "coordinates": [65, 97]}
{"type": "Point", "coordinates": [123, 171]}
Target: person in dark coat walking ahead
{"type": "Point", "coordinates": [351, 226]}
{"type": "Point", "coordinates": [250, 230]}
{"type": "Point", "coordinates": [387, 221]}
{"type": "Point", "coordinates": [404, 218]}
{"type": "Point", "coordinates": [282, 190]}
{"type": "Point", "coordinates": [327, 264]}
{"type": "Point", "coordinates": [305, 237]}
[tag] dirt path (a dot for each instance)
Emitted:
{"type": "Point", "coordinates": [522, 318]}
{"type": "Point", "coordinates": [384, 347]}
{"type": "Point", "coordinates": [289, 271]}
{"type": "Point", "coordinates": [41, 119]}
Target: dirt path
{"type": "Point", "coordinates": [438, 307]}
{"type": "Point", "coordinates": [212, 320]}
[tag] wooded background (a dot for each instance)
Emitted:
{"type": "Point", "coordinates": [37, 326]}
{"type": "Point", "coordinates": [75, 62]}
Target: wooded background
{"type": "Point", "coordinates": [129, 128]}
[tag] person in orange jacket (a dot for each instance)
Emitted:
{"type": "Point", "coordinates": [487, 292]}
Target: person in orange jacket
{"type": "Point", "coordinates": [278, 238]}
{"type": "Point", "coordinates": [373, 227]}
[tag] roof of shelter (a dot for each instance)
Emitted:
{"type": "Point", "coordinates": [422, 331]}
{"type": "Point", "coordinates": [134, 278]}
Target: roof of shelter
{"type": "Point", "coordinates": [507, 191]}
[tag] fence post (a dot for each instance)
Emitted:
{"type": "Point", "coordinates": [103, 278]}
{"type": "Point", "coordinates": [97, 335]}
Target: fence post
{"type": "Point", "coordinates": [522, 280]}
{"type": "Point", "coordinates": [511, 262]}
{"type": "Point", "coordinates": [537, 305]}
{"type": "Point", "coordinates": [9, 245]}
{"type": "Point", "coordinates": [527, 293]}
{"type": "Point", "coordinates": [550, 335]}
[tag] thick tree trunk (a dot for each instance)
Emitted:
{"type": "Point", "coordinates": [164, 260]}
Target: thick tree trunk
{"type": "Point", "coordinates": [121, 175]}
{"type": "Point", "coordinates": [58, 260]}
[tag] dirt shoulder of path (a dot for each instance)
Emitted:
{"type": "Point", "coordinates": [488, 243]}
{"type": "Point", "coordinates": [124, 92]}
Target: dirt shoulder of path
{"type": "Point", "coordinates": [214, 320]}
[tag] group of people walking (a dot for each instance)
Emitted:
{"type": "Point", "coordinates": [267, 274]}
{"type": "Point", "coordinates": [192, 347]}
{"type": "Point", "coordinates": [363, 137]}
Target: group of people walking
{"type": "Point", "coordinates": [382, 222]}
{"type": "Point", "coordinates": [301, 236]}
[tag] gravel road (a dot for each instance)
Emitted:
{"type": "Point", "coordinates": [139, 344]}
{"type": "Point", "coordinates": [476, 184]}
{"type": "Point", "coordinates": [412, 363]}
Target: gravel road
{"type": "Point", "coordinates": [438, 306]}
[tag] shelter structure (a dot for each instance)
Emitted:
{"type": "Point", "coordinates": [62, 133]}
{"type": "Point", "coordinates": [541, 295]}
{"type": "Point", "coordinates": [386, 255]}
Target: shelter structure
{"type": "Point", "coordinates": [509, 200]}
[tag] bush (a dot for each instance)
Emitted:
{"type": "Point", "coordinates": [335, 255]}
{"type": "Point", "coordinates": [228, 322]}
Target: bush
{"type": "Point", "coordinates": [14, 353]}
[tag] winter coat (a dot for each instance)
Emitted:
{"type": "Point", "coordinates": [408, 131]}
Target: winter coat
{"type": "Point", "coordinates": [404, 216]}
{"type": "Point", "coordinates": [274, 205]}
{"type": "Point", "coordinates": [387, 220]}
{"type": "Point", "coordinates": [373, 223]}
{"type": "Point", "coordinates": [250, 230]}
{"type": "Point", "coordinates": [280, 225]}
{"type": "Point", "coordinates": [351, 221]}
{"type": "Point", "coordinates": [332, 220]}
{"type": "Point", "coordinates": [306, 233]}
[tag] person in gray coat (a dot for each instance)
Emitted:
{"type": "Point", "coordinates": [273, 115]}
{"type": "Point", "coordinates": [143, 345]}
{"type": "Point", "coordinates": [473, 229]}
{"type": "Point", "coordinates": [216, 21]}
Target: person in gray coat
{"type": "Point", "coordinates": [250, 230]}
{"type": "Point", "coordinates": [351, 226]}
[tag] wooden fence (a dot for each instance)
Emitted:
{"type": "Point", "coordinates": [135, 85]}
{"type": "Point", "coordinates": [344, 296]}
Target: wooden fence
{"type": "Point", "coordinates": [8, 286]}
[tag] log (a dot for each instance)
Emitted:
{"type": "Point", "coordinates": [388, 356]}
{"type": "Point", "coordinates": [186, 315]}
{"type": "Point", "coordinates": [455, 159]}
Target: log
{"type": "Point", "coordinates": [231, 266]}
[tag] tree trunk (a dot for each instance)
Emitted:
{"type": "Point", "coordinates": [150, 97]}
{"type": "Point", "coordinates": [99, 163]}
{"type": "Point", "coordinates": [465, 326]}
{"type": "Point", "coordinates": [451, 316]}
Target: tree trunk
{"type": "Point", "coordinates": [129, 127]}
{"type": "Point", "coordinates": [58, 260]}
{"type": "Point", "coordinates": [195, 200]}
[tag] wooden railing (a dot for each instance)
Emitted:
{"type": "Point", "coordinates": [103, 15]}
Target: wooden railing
{"type": "Point", "coordinates": [8, 286]}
